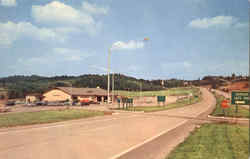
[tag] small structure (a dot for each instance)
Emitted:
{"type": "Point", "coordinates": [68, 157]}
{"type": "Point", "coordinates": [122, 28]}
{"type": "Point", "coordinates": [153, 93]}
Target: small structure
{"type": "Point", "coordinates": [31, 98]}
{"type": "Point", "coordinates": [75, 94]}
{"type": "Point", "coordinates": [3, 97]}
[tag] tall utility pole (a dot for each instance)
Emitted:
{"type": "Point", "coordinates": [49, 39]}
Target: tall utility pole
{"type": "Point", "coordinates": [113, 86]}
{"type": "Point", "coordinates": [109, 54]}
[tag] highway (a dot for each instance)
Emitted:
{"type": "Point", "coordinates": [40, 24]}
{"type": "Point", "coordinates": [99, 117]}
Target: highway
{"type": "Point", "coordinates": [106, 137]}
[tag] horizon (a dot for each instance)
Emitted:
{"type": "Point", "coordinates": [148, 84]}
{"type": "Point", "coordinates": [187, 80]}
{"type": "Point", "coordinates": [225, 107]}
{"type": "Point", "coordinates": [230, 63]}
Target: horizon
{"type": "Point", "coordinates": [128, 76]}
{"type": "Point", "coordinates": [168, 39]}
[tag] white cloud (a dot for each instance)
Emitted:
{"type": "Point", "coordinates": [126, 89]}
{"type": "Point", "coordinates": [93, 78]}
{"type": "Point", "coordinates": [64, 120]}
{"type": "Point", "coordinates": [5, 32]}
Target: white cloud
{"type": "Point", "coordinates": [8, 3]}
{"type": "Point", "coordinates": [71, 54]}
{"type": "Point", "coordinates": [119, 45]}
{"type": "Point", "coordinates": [57, 14]}
{"type": "Point", "coordinates": [94, 9]}
{"type": "Point", "coordinates": [54, 56]}
{"type": "Point", "coordinates": [218, 21]}
{"type": "Point", "coordinates": [10, 31]}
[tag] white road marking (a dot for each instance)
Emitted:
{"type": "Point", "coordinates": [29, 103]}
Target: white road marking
{"type": "Point", "coordinates": [146, 141]}
{"type": "Point", "coordinates": [62, 125]}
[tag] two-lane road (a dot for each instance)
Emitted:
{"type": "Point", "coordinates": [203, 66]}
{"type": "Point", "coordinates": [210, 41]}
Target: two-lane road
{"type": "Point", "coordinates": [106, 137]}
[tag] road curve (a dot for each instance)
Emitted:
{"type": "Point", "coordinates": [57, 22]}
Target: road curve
{"type": "Point", "coordinates": [107, 137]}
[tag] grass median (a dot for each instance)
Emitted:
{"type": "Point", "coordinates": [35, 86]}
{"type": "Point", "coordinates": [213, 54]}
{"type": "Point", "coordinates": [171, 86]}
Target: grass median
{"type": "Point", "coordinates": [28, 118]}
{"type": "Point", "coordinates": [229, 112]}
{"type": "Point", "coordinates": [178, 104]}
{"type": "Point", "coordinates": [214, 141]}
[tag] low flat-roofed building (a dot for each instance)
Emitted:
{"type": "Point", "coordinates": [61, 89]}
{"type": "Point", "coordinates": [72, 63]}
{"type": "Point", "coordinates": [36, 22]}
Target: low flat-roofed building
{"type": "Point", "coordinates": [71, 94]}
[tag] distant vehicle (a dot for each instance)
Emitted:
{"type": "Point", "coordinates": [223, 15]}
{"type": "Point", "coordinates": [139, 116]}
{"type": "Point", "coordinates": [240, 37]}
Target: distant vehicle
{"type": "Point", "coordinates": [53, 104]}
{"type": "Point", "coordinates": [40, 103]}
{"type": "Point", "coordinates": [66, 103]}
{"type": "Point", "coordinates": [31, 104]}
{"type": "Point", "coordinates": [85, 102]}
{"type": "Point", "coordinates": [19, 102]}
{"type": "Point", "coordinates": [93, 102]}
{"type": "Point", "coordinates": [10, 103]}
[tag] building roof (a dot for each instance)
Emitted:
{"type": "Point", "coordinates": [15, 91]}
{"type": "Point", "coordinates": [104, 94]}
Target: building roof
{"type": "Point", "coordinates": [83, 91]}
{"type": "Point", "coordinates": [34, 94]}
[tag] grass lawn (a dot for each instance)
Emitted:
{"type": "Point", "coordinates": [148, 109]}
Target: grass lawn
{"type": "Point", "coordinates": [28, 118]}
{"type": "Point", "coordinates": [172, 92]}
{"type": "Point", "coordinates": [214, 141]}
{"type": "Point", "coordinates": [229, 112]}
{"type": "Point", "coordinates": [180, 103]}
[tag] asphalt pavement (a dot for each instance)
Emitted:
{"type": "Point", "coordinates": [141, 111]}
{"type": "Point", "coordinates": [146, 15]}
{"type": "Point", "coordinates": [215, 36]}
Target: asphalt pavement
{"type": "Point", "coordinates": [123, 135]}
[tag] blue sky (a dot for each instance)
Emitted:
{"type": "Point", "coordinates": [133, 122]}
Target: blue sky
{"type": "Point", "coordinates": [188, 39]}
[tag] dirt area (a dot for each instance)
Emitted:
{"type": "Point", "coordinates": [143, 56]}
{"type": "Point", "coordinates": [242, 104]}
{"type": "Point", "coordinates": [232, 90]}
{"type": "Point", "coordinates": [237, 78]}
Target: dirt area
{"type": "Point", "coordinates": [240, 86]}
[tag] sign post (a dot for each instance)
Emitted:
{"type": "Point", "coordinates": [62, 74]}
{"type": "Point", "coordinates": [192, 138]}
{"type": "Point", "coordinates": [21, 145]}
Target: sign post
{"type": "Point", "coordinates": [240, 98]}
{"type": "Point", "coordinates": [161, 99]}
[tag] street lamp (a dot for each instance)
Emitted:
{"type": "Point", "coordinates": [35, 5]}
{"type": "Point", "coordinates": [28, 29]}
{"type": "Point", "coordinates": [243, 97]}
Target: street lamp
{"type": "Point", "coordinates": [109, 54]}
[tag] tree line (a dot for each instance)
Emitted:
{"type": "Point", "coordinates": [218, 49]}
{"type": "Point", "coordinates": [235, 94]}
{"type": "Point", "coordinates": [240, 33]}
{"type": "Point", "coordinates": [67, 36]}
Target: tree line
{"type": "Point", "coordinates": [19, 86]}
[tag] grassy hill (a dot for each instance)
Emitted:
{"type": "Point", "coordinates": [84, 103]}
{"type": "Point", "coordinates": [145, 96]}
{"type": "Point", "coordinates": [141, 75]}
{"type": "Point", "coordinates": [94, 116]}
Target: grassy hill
{"type": "Point", "coordinates": [19, 86]}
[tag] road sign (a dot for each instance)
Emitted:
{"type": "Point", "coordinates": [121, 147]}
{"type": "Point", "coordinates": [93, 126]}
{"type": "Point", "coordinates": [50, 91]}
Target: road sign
{"type": "Point", "coordinates": [240, 98]}
{"type": "Point", "coordinates": [161, 98]}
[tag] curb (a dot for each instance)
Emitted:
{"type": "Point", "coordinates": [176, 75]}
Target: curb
{"type": "Point", "coordinates": [228, 118]}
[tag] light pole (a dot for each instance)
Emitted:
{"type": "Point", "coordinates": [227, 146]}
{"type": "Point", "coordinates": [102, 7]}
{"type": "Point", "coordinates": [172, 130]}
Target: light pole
{"type": "Point", "coordinates": [113, 86]}
{"type": "Point", "coordinates": [109, 54]}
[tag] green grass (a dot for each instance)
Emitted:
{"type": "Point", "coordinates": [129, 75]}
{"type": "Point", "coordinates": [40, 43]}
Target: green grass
{"type": "Point", "coordinates": [229, 112]}
{"type": "Point", "coordinates": [214, 141]}
{"type": "Point", "coordinates": [28, 118]}
{"type": "Point", "coordinates": [169, 92]}
{"type": "Point", "coordinates": [178, 104]}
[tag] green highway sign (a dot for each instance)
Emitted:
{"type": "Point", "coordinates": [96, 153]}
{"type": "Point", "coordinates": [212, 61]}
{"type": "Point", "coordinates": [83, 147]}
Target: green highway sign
{"type": "Point", "coordinates": [161, 98]}
{"type": "Point", "coordinates": [240, 98]}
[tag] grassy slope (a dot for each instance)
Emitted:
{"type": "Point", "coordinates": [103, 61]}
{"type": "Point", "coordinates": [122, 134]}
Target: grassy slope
{"type": "Point", "coordinates": [180, 103]}
{"type": "Point", "coordinates": [230, 112]}
{"type": "Point", "coordinates": [214, 141]}
{"type": "Point", "coordinates": [27, 118]}
{"type": "Point", "coordinates": [172, 91]}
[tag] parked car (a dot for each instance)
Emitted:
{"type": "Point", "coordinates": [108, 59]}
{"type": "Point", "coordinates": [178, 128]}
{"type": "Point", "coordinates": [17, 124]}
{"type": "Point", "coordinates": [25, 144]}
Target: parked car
{"type": "Point", "coordinates": [66, 103]}
{"type": "Point", "coordinates": [93, 102]}
{"type": "Point", "coordinates": [10, 103]}
{"type": "Point", "coordinates": [31, 104]}
{"type": "Point", "coordinates": [40, 103]}
{"type": "Point", "coordinates": [52, 104]}
{"type": "Point", "coordinates": [84, 102]}
{"type": "Point", "coordinates": [19, 102]}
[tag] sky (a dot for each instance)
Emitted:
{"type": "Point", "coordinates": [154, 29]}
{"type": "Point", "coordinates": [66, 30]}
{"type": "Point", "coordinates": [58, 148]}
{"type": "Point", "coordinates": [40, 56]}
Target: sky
{"type": "Point", "coordinates": [184, 39]}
